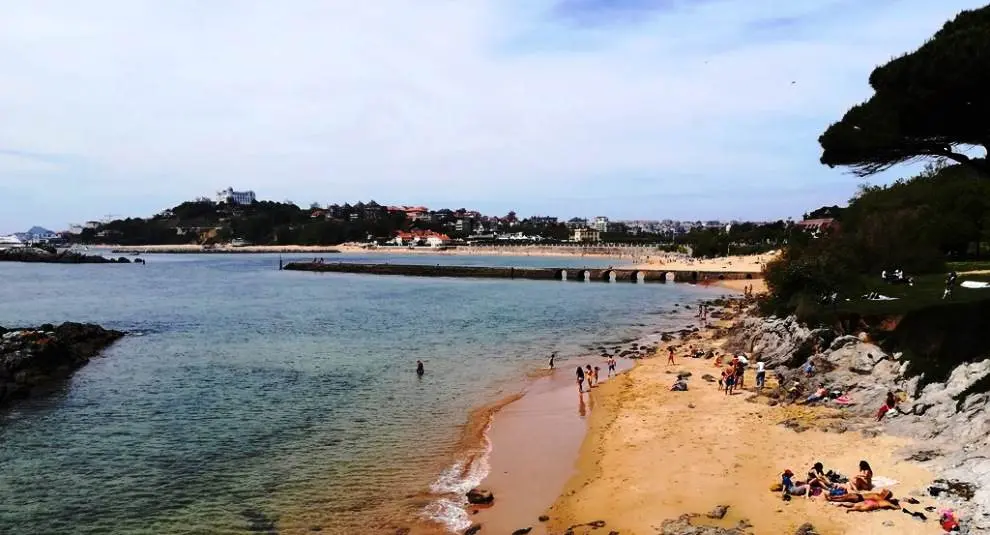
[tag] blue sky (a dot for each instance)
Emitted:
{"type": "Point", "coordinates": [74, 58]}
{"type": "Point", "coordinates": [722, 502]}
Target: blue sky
{"type": "Point", "coordinates": [635, 109]}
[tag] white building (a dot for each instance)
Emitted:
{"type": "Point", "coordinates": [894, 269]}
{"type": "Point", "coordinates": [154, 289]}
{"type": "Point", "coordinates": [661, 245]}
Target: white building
{"type": "Point", "coordinates": [9, 242]}
{"type": "Point", "coordinates": [235, 197]}
{"type": "Point", "coordinates": [585, 235]}
{"type": "Point", "coordinates": [601, 224]}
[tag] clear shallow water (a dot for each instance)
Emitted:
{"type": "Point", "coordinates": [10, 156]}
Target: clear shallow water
{"type": "Point", "coordinates": [249, 400]}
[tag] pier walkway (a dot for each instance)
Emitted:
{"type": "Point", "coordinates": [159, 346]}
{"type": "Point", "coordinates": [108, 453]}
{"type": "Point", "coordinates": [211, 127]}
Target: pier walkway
{"type": "Point", "coordinates": [560, 274]}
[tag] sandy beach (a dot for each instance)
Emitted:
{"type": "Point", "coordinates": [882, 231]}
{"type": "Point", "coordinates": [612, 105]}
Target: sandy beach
{"type": "Point", "coordinates": [652, 455]}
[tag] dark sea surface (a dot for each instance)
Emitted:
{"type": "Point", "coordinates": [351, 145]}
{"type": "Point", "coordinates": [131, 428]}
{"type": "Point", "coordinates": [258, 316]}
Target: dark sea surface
{"type": "Point", "coordinates": [248, 400]}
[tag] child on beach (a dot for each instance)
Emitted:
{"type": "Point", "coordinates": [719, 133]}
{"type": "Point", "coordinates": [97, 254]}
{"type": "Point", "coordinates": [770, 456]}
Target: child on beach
{"type": "Point", "coordinates": [590, 375]}
{"type": "Point", "coordinates": [580, 379]}
{"type": "Point", "coordinates": [611, 366]}
{"type": "Point", "coordinates": [730, 380]}
{"type": "Point", "coordinates": [670, 355]}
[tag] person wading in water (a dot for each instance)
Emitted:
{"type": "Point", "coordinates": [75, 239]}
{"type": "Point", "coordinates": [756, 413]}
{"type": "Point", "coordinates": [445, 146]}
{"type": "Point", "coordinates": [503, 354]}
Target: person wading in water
{"type": "Point", "coordinates": [420, 370]}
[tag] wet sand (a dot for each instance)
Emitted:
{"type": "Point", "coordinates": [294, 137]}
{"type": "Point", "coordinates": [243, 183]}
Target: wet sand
{"type": "Point", "coordinates": [535, 445]}
{"type": "Point", "coordinates": [652, 455]}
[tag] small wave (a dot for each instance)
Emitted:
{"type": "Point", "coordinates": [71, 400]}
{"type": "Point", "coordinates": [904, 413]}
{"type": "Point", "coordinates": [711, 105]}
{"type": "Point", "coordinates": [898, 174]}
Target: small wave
{"type": "Point", "coordinates": [451, 487]}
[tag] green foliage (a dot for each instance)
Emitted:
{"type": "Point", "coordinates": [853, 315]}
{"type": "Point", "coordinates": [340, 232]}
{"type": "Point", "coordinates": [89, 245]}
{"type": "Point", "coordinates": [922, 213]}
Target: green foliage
{"type": "Point", "coordinates": [926, 104]}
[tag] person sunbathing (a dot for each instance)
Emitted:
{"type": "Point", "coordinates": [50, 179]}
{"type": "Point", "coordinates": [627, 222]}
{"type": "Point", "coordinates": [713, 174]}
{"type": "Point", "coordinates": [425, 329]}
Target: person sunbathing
{"type": "Point", "coordinates": [790, 487]}
{"type": "Point", "coordinates": [817, 477]}
{"type": "Point", "coordinates": [864, 479]}
{"type": "Point", "coordinates": [873, 502]}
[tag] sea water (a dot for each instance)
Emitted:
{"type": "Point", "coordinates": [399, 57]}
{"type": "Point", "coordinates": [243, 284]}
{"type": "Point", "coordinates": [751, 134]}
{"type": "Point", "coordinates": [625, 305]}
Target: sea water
{"type": "Point", "coordinates": [249, 400]}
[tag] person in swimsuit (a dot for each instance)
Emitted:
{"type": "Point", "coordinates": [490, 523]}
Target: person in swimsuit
{"type": "Point", "coordinates": [670, 355]}
{"type": "Point", "coordinates": [552, 356]}
{"type": "Point", "coordinates": [864, 479]}
{"type": "Point", "coordinates": [730, 380]}
{"type": "Point", "coordinates": [611, 366]}
{"type": "Point", "coordinates": [872, 502]}
{"type": "Point", "coordinates": [580, 379]}
{"type": "Point", "coordinates": [597, 369]}
{"type": "Point", "coordinates": [420, 370]}
{"type": "Point", "coordinates": [589, 374]}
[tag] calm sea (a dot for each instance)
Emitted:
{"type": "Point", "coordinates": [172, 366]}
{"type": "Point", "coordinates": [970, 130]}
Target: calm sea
{"type": "Point", "coordinates": [248, 400]}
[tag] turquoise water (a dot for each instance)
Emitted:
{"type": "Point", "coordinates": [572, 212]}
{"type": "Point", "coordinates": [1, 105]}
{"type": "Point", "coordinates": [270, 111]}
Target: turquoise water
{"type": "Point", "coordinates": [248, 400]}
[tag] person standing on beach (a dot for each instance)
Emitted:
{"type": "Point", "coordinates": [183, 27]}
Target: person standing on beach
{"type": "Point", "coordinates": [552, 356]}
{"type": "Point", "coordinates": [611, 366]}
{"type": "Point", "coordinates": [670, 355]}
{"type": "Point", "coordinates": [597, 369]}
{"type": "Point", "coordinates": [580, 379]}
{"type": "Point", "coordinates": [589, 375]}
{"type": "Point", "coordinates": [761, 375]}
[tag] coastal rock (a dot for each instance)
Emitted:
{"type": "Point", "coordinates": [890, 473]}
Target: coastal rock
{"type": "Point", "coordinates": [544, 518]}
{"type": "Point", "coordinates": [473, 529]}
{"type": "Point", "coordinates": [718, 512]}
{"type": "Point", "coordinates": [709, 377]}
{"type": "Point", "coordinates": [42, 256]}
{"type": "Point", "coordinates": [480, 496]}
{"type": "Point", "coordinates": [31, 359]}
{"type": "Point", "coordinates": [522, 531]}
{"type": "Point", "coordinates": [806, 529]}
{"type": "Point", "coordinates": [683, 526]}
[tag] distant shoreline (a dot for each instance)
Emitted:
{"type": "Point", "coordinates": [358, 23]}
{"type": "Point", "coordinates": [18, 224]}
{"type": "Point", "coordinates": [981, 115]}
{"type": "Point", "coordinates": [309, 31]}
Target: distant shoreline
{"type": "Point", "coordinates": [199, 249]}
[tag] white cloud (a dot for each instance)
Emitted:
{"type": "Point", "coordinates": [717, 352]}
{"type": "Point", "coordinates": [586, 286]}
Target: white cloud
{"type": "Point", "coordinates": [482, 102]}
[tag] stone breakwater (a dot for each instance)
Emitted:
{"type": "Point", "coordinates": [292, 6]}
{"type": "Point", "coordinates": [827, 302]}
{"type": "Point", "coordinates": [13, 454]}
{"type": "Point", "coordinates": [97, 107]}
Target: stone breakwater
{"type": "Point", "coordinates": [947, 417]}
{"type": "Point", "coordinates": [569, 274]}
{"type": "Point", "coordinates": [42, 256]}
{"type": "Point", "coordinates": [33, 359]}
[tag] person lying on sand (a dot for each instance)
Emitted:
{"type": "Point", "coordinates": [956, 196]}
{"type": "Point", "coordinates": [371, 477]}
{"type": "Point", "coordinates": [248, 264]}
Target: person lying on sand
{"type": "Point", "coordinates": [818, 395]}
{"type": "Point", "coordinates": [874, 501]}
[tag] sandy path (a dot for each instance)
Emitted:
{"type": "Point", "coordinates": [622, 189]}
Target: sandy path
{"type": "Point", "coordinates": [650, 457]}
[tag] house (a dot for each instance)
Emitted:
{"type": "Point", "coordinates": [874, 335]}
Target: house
{"type": "Point", "coordinates": [317, 214]}
{"type": "Point", "coordinates": [543, 221]}
{"type": "Point", "coordinates": [421, 237]}
{"type": "Point", "coordinates": [577, 222]}
{"type": "Point", "coordinates": [601, 224]}
{"type": "Point", "coordinates": [464, 225]}
{"type": "Point", "coordinates": [818, 226]}
{"type": "Point", "coordinates": [586, 235]}
{"type": "Point", "coordinates": [230, 196]}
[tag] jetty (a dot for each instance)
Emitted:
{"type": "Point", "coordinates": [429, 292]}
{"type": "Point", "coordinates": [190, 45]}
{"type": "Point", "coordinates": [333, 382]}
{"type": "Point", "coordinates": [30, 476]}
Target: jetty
{"type": "Point", "coordinates": [530, 273]}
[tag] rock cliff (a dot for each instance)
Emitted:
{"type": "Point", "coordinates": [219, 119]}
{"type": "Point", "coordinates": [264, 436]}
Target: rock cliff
{"type": "Point", "coordinates": [945, 412]}
{"type": "Point", "coordinates": [32, 359]}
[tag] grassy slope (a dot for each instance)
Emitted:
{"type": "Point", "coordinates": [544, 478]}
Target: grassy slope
{"type": "Point", "coordinates": [927, 291]}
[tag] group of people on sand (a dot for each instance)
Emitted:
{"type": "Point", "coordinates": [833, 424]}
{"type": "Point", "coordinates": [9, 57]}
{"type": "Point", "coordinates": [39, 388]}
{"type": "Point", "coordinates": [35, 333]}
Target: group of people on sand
{"type": "Point", "coordinates": [734, 374]}
{"type": "Point", "coordinates": [589, 374]}
{"type": "Point", "coordinates": [836, 488]}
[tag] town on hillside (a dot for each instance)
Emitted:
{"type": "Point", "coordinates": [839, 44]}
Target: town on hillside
{"type": "Point", "coordinates": [236, 218]}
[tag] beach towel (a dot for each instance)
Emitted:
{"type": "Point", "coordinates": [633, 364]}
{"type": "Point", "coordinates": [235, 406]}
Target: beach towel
{"type": "Point", "coordinates": [883, 482]}
{"type": "Point", "coordinates": [974, 284]}
{"type": "Point", "coordinates": [843, 400]}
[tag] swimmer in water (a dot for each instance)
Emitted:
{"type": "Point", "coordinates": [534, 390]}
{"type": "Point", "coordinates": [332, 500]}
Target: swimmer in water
{"type": "Point", "coordinates": [419, 368]}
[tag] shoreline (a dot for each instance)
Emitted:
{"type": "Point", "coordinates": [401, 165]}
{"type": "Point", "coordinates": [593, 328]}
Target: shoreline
{"type": "Point", "coordinates": [634, 257]}
{"type": "Point", "coordinates": [652, 455]}
{"type": "Point", "coordinates": [534, 441]}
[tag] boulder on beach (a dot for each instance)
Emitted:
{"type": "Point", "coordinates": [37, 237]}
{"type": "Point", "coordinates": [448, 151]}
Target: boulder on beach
{"type": "Point", "coordinates": [480, 496]}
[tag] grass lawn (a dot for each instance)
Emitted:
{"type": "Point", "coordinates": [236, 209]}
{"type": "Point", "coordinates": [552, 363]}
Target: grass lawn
{"type": "Point", "coordinates": [927, 291]}
{"type": "Point", "coordinates": [969, 265]}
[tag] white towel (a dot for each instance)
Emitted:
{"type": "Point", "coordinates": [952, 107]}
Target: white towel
{"type": "Point", "coordinates": [974, 284]}
{"type": "Point", "coordinates": [883, 482]}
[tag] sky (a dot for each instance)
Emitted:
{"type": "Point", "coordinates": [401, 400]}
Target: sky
{"type": "Point", "coordinates": [632, 109]}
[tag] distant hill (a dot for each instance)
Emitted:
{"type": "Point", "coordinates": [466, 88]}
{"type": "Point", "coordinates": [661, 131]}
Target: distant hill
{"type": "Point", "coordinates": [38, 231]}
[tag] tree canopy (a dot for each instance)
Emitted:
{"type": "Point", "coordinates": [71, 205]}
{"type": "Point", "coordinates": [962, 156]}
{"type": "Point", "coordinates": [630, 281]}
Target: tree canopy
{"type": "Point", "coordinates": [930, 103]}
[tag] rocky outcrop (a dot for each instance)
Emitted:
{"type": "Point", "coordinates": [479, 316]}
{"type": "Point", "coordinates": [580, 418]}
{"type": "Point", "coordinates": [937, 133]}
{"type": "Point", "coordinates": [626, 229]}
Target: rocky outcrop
{"type": "Point", "coordinates": [777, 341]}
{"type": "Point", "coordinates": [947, 417]}
{"type": "Point", "coordinates": [43, 256]}
{"type": "Point", "coordinates": [32, 359]}
{"type": "Point", "coordinates": [683, 526]}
